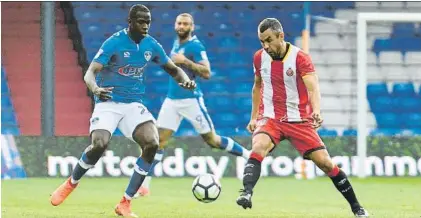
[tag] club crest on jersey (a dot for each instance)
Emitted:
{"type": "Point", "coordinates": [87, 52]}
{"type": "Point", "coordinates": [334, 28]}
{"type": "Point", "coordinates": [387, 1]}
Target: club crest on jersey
{"type": "Point", "coordinates": [290, 72]}
{"type": "Point", "coordinates": [147, 55]}
{"type": "Point", "coordinates": [126, 54]}
{"type": "Point", "coordinates": [131, 71]}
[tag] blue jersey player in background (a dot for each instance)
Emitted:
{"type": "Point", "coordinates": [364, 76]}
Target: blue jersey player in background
{"type": "Point", "coordinates": [115, 77]}
{"type": "Point", "coordinates": [188, 53]}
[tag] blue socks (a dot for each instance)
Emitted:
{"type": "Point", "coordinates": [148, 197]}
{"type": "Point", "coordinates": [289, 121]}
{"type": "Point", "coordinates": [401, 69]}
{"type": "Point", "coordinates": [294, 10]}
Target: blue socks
{"type": "Point", "coordinates": [141, 169]}
{"type": "Point", "coordinates": [82, 167]}
{"type": "Point", "coordinates": [233, 147]}
{"type": "Point", "coordinates": [158, 158]}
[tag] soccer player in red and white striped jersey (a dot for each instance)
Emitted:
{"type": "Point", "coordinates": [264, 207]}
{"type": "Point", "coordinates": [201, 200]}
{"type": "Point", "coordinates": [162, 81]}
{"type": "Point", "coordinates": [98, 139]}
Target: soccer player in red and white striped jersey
{"type": "Point", "coordinates": [285, 90]}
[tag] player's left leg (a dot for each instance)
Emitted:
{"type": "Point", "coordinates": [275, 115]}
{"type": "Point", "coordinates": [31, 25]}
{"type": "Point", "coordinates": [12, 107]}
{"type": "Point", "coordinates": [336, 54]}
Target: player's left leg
{"type": "Point", "coordinates": [196, 113]}
{"type": "Point", "coordinates": [225, 143]}
{"type": "Point", "coordinates": [322, 159]}
{"type": "Point", "coordinates": [139, 125]}
{"type": "Point", "coordinates": [168, 122]}
{"type": "Point", "coordinates": [306, 140]}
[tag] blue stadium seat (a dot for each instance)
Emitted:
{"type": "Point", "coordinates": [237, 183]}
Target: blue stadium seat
{"type": "Point", "coordinates": [327, 132]}
{"type": "Point", "coordinates": [403, 30]}
{"type": "Point", "coordinates": [387, 120]}
{"type": "Point", "coordinates": [243, 87]}
{"type": "Point", "coordinates": [10, 129]}
{"type": "Point", "coordinates": [5, 101]}
{"type": "Point", "coordinates": [214, 87]}
{"type": "Point", "coordinates": [220, 103]}
{"type": "Point", "coordinates": [4, 88]}
{"type": "Point", "coordinates": [412, 120]}
{"type": "Point", "coordinates": [416, 131]}
{"type": "Point", "coordinates": [8, 117]}
{"type": "Point", "coordinates": [225, 119]}
{"type": "Point", "coordinates": [407, 104]}
{"type": "Point", "coordinates": [384, 132]}
{"type": "Point", "coordinates": [407, 132]}
{"type": "Point", "coordinates": [382, 104]}
{"type": "Point", "coordinates": [403, 89]}
{"type": "Point", "coordinates": [243, 102]}
{"type": "Point", "coordinates": [377, 90]}
{"type": "Point", "coordinates": [350, 132]}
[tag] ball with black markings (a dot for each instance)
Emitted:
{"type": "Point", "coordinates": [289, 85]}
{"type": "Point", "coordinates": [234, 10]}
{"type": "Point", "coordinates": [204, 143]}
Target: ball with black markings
{"type": "Point", "coordinates": [206, 188]}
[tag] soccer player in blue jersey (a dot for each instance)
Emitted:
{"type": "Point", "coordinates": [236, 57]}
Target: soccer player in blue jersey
{"type": "Point", "coordinates": [116, 78]}
{"type": "Point", "coordinates": [188, 53]}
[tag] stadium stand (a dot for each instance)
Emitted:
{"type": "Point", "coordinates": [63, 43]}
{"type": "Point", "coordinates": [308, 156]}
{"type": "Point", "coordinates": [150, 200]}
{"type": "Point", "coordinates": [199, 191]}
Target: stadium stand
{"type": "Point", "coordinates": [8, 118]}
{"type": "Point", "coordinates": [73, 106]}
{"type": "Point", "coordinates": [228, 31]}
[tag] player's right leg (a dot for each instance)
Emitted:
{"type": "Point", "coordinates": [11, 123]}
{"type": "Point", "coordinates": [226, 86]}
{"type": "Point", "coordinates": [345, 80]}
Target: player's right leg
{"type": "Point", "coordinates": [164, 136]}
{"type": "Point", "coordinates": [168, 122]}
{"type": "Point", "coordinates": [265, 137]}
{"type": "Point", "coordinates": [103, 123]}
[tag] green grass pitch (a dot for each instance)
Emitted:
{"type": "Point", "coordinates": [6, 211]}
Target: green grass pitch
{"type": "Point", "coordinates": [172, 197]}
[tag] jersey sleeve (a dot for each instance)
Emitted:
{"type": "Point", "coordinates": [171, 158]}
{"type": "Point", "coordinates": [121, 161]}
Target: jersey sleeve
{"type": "Point", "coordinates": [199, 53]}
{"type": "Point", "coordinates": [304, 64]}
{"type": "Point", "coordinates": [159, 56]}
{"type": "Point", "coordinates": [257, 62]}
{"type": "Point", "coordinates": [105, 52]}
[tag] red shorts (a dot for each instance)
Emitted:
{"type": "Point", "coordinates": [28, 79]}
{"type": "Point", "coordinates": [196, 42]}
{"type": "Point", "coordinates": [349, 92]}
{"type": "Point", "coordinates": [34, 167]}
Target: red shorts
{"type": "Point", "coordinates": [301, 135]}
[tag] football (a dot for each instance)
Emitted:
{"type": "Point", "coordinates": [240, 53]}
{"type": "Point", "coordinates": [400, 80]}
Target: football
{"type": "Point", "coordinates": [206, 188]}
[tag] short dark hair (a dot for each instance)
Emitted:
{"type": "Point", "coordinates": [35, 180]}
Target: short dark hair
{"type": "Point", "coordinates": [138, 8]}
{"type": "Point", "coordinates": [271, 23]}
{"type": "Point", "coordinates": [187, 15]}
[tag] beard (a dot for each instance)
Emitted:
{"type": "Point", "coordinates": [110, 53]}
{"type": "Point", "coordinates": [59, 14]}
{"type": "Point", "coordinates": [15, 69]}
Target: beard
{"type": "Point", "coordinates": [183, 35]}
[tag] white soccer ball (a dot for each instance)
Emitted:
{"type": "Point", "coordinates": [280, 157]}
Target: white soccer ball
{"type": "Point", "coordinates": [206, 188]}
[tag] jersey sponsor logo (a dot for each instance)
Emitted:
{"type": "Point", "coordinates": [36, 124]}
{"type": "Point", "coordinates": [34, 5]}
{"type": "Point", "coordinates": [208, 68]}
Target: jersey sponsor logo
{"type": "Point", "coordinates": [290, 72]}
{"type": "Point", "coordinates": [147, 55]}
{"type": "Point", "coordinates": [131, 71]}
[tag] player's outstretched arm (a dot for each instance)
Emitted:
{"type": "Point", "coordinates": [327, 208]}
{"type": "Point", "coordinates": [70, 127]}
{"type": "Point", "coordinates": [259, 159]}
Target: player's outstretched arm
{"type": "Point", "coordinates": [102, 93]}
{"type": "Point", "coordinates": [179, 75]}
{"type": "Point", "coordinates": [311, 82]}
{"type": "Point", "coordinates": [202, 68]}
{"type": "Point", "coordinates": [255, 97]}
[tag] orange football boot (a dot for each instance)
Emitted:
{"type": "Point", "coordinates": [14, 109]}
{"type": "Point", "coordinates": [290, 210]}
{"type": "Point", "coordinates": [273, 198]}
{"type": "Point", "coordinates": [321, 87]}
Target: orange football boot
{"type": "Point", "coordinates": [124, 208]}
{"type": "Point", "coordinates": [61, 193]}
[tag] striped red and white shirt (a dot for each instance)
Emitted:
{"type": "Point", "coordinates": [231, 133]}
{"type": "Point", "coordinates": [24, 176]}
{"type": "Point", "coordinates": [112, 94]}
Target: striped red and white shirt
{"type": "Point", "coordinates": [283, 94]}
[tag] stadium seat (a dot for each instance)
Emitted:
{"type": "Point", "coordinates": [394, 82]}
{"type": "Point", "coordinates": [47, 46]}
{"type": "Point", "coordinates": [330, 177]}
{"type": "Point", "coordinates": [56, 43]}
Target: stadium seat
{"type": "Point", "coordinates": [221, 103]}
{"type": "Point", "coordinates": [412, 120]}
{"type": "Point", "coordinates": [5, 101]}
{"type": "Point", "coordinates": [327, 133]}
{"type": "Point", "coordinates": [377, 90]}
{"type": "Point", "coordinates": [403, 90]}
{"type": "Point", "coordinates": [384, 132]}
{"type": "Point", "coordinates": [387, 120]}
{"type": "Point", "coordinates": [407, 104]}
{"type": "Point", "coordinates": [350, 132]}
